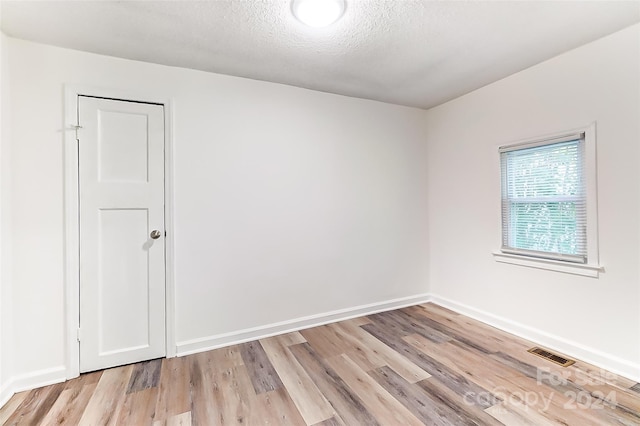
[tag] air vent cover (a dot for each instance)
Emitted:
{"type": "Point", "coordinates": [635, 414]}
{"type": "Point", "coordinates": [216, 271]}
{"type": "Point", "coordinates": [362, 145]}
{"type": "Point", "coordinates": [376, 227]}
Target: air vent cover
{"type": "Point", "coordinates": [551, 357]}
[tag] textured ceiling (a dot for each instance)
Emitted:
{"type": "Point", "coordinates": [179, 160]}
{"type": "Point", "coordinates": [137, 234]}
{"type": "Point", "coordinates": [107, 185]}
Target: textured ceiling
{"type": "Point", "coordinates": [416, 53]}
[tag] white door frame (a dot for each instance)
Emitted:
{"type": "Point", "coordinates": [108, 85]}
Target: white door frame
{"type": "Point", "coordinates": [72, 224]}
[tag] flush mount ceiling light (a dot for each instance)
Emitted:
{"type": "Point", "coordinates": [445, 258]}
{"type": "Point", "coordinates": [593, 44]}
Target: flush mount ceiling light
{"type": "Point", "coordinates": [317, 13]}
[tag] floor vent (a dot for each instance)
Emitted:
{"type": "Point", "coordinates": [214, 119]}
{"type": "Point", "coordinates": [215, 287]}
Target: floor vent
{"type": "Point", "coordinates": [551, 357]}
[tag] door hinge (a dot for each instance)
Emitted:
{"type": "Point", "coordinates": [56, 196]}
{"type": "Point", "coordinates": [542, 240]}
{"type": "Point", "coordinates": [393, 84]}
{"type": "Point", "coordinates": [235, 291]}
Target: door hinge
{"type": "Point", "coordinates": [76, 127]}
{"type": "Point", "coordinates": [78, 334]}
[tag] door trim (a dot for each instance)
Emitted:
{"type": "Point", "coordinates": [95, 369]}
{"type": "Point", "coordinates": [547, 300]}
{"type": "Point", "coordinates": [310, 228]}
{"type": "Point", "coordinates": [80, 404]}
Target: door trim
{"type": "Point", "coordinates": [72, 223]}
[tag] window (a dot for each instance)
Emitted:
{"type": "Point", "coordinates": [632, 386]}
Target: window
{"type": "Point", "coordinates": [543, 200]}
{"type": "Point", "coordinates": [548, 202]}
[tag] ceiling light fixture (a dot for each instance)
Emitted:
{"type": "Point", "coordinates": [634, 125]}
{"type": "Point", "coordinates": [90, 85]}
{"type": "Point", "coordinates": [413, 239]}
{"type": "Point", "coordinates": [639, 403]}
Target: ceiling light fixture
{"type": "Point", "coordinates": [317, 13]}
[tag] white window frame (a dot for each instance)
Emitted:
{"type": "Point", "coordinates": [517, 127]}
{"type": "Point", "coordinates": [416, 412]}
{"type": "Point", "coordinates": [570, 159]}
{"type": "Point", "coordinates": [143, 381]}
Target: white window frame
{"type": "Point", "coordinates": [592, 267]}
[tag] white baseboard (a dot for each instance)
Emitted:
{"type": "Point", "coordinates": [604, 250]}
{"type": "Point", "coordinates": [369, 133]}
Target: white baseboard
{"type": "Point", "coordinates": [39, 378]}
{"type": "Point", "coordinates": [31, 380]}
{"type": "Point", "coordinates": [589, 355]}
{"type": "Point", "coordinates": [6, 392]}
{"type": "Point", "coordinates": [226, 339]}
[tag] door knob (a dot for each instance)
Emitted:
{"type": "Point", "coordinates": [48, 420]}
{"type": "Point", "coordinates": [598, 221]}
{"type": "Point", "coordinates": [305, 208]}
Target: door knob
{"type": "Point", "coordinates": [155, 234]}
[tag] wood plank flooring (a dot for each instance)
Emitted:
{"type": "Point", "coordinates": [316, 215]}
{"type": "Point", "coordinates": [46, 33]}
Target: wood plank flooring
{"type": "Point", "coordinates": [422, 365]}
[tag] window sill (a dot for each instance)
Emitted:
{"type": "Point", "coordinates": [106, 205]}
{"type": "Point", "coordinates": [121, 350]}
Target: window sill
{"type": "Point", "coordinates": [551, 265]}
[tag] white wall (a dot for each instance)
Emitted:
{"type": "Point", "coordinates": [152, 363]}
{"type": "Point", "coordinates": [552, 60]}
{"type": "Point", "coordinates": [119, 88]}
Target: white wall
{"type": "Point", "coordinates": [5, 282]}
{"type": "Point", "coordinates": [597, 319]}
{"type": "Point", "coordinates": [2, 340]}
{"type": "Point", "coordinates": [288, 202]}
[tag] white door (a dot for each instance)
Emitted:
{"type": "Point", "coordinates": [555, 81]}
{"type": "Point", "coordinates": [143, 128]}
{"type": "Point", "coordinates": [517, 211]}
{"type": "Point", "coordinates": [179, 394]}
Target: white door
{"type": "Point", "coordinates": [122, 269]}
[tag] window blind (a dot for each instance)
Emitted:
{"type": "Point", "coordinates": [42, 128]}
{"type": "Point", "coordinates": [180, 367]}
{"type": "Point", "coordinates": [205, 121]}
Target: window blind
{"type": "Point", "coordinates": [544, 199]}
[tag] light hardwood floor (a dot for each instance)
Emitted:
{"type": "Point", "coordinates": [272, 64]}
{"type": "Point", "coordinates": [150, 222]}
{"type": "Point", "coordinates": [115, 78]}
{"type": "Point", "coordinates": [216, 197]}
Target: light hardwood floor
{"type": "Point", "coordinates": [413, 366]}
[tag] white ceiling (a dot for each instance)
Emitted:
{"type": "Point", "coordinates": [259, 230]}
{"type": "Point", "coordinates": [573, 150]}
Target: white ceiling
{"type": "Point", "coordinates": [415, 53]}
